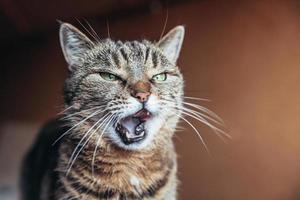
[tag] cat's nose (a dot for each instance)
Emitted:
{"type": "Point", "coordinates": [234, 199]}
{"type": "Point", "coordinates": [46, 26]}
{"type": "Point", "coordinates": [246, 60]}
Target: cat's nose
{"type": "Point", "coordinates": [142, 96]}
{"type": "Point", "coordinates": [141, 91]}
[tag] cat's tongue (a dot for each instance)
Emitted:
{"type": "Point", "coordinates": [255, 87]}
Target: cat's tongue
{"type": "Point", "coordinates": [132, 128]}
{"type": "Point", "coordinates": [130, 123]}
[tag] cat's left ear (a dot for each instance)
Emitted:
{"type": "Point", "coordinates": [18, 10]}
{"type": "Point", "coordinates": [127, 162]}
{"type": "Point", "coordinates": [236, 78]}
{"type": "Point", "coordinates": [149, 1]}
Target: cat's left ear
{"type": "Point", "coordinates": [171, 43]}
{"type": "Point", "coordinates": [74, 44]}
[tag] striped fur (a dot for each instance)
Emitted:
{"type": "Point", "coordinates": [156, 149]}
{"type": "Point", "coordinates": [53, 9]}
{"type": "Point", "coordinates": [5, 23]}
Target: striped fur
{"type": "Point", "coordinates": [90, 161]}
{"type": "Point", "coordinates": [119, 174]}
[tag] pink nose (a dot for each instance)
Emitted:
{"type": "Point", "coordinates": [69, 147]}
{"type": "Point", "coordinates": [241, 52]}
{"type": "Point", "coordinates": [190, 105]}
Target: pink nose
{"type": "Point", "coordinates": [142, 96]}
{"type": "Point", "coordinates": [140, 90]}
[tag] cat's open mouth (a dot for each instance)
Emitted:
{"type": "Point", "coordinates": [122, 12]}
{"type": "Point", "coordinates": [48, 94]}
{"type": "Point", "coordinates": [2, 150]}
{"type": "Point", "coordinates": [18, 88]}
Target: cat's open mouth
{"type": "Point", "coordinates": [132, 128]}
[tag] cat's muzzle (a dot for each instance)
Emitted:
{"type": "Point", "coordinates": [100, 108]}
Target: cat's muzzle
{"type": "Point", "coordinates": [131, 129]}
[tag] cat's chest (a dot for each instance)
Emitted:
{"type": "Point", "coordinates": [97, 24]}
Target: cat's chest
{"type": "Point", "coordinates": [116, 173]}
{"type": "Point", "coordinates": [115, 181]}
{"type": "Point", "coordinates": [131, 174]}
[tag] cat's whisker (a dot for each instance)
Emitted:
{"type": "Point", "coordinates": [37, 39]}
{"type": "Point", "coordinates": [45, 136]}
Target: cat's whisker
{"type": "Point", "coordinates": [77, 124]}
{"type": "Point", "coordinates": [196, 98]}
{"type": "Point", "coordinates": [89, 32]}
{"type": "Point", "coordinates": [73, 156]}
{"type": "Point", "coordinates": [209, 117]}
{"type": "Point", "coordinates": [197, 113]}
{"type": "Point", "coordinates": [97, 143]}
{"type": "Point", "coordinates": [201, 118]}
{"type": "Point", "coordinates": [107, 26]}
{"type": "Point", "coordinates": [206, 110]}
{"type": "Point", "coordinates": [194, 128]}
{"type": "Point", "coordinates": [98, 121]}
{"type": "Point", "coordinates": [66, 109]}
{"type": "Point", "coordinates": [216, 130]}
{"type": "Point", "coordinates": [165, 25]}
{"type": "Point", "coordinates": [176, 136]}
{"type": "Point", "coordinates": [202, 115]}
{"type": "Point", "coordinates": [201, 108]}
{"type": "Point", "coordinates": [93, 30]}
{"type": "Point", "coordinates": [179, 128]}
{"type": "Point", "coordinates": [219, 132]}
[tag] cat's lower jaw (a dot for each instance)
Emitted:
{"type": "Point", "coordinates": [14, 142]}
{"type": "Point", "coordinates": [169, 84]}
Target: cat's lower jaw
{"type": "Point", "coordinates": [118, 173]}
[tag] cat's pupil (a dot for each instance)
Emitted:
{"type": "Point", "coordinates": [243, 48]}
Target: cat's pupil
{"type": "Point", "coordinates": [111, 76]}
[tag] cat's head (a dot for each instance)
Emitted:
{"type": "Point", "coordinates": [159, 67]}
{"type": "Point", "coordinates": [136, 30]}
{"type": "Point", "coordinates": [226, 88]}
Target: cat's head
{"type": "Point", "coordinates": [127, 91]}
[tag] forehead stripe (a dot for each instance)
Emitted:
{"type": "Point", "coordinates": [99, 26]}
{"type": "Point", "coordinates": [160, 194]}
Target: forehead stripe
{"type": "Point", "coordinates": [116, 60]}
{"type": "Point", "coordinates": [154, 59]}
{"type": "Point", "coordinates": [147, 54]}
{"type": "Point", "coordinates": [124, 54]}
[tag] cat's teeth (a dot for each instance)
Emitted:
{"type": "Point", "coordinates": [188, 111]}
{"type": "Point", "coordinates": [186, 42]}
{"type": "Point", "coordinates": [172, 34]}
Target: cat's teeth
{"type": "Point", "coordinates": [132, 129]}
{"type": "Point", "coordinates": [118, 127]}
{"type": "Point", "coordinates": [139, 130]}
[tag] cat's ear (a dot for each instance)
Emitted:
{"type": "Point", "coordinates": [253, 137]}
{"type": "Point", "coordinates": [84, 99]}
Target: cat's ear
{"type": "Point", "coordinates": [74, 44]}
{"type": "Point", "coordinates": [171, 43]}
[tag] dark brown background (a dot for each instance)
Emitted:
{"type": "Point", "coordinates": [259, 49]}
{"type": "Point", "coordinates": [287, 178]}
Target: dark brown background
{"type": "Point", "coordinates": [244, 56]}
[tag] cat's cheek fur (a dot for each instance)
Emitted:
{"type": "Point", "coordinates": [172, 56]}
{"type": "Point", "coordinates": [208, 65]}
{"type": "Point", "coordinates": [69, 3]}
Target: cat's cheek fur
{"type": "Point", "coordinates": [152, 104]}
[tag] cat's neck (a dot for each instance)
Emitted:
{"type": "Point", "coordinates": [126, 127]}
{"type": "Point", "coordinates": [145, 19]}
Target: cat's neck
{"type": "Point", "coordinates": [95, 155]}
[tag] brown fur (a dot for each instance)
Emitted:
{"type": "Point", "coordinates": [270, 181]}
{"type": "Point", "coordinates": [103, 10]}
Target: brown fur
{"type": "Point", "coordinates": [155, 170]}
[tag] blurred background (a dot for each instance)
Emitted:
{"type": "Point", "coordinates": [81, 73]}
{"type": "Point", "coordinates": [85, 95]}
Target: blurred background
{"type": "Point", "coordinates": [242, 55]}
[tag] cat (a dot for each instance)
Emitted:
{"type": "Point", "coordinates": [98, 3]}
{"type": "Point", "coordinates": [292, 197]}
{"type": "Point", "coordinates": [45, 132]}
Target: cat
{"type": "Point", "coordinates": [123, 102]}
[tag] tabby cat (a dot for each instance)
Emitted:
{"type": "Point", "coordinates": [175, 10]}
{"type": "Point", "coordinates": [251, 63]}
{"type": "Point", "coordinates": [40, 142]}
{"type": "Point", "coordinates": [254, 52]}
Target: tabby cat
{"type": "Point", "coordinates": [123, 103]}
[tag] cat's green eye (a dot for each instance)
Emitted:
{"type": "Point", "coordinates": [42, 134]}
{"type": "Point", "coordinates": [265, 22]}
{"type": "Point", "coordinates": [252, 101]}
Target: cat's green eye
{"type": "Point", "coordinates": [160, 77]}
{"type": "Point", "coordinates": [108, 76]}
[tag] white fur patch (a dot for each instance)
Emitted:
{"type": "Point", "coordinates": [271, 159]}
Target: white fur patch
{"type": "Point", "coordinates": [134, 181]}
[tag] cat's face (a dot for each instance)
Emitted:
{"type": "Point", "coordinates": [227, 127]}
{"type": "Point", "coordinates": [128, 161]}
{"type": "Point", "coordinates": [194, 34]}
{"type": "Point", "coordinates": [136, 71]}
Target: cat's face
{"type": "Point", "coordinates": [126, 91]}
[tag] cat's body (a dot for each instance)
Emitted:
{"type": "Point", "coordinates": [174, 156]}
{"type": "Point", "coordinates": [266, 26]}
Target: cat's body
{"type": "Point", "coordinates": [123, 103]}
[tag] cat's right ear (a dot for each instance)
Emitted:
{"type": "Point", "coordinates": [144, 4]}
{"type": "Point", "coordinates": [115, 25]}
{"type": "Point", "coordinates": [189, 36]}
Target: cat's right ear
{"type": "Point", "coordinates": [74, 45]}
{"type": "Point", "coordinates": [171, 43]}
